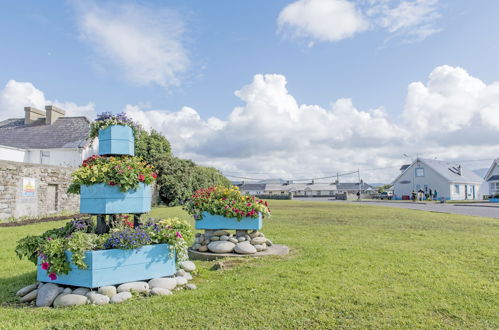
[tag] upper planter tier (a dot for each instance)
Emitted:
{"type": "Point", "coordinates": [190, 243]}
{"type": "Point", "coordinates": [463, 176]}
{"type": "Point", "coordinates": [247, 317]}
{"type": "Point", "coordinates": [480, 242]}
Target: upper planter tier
{"type": "Point", "coordinates": [105, 199]}
{"type": "Point", "coordinates": [220, 222]}
{"type": "Point", "coordinates": [116, 140]}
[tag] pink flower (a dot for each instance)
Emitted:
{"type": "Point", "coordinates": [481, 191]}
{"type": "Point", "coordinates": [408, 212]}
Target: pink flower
{"type": "Point", "coordinates": [45, 265]}
{"type": "Point", "coordinates": [179, 235]}
{"type": "Point", "coordinates": [141, 177]}
{"type": "Point", "coordinates": [248, 204]}
{"type": "Point", "coordinates": [53, 276]}
{"type": "Point", "coordinates": [49, 238]}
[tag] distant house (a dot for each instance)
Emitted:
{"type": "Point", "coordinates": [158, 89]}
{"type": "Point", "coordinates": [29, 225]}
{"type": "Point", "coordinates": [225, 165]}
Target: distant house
{"type": "Point", "coordinates": [46, 137]}
{"type": "Point", "coordinates": [301, 189]}
{"type": "Point", "coordinates": [252, 188]}
{"type": "Point", "coordinates": [492, 178]}
{"type": "Point", "coordinates": [451, 181]}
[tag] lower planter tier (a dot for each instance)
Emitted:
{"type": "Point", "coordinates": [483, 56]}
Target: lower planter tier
{"type": "Point", "coordinates": [210, 221]}
{"type": "Point", "coordinates": [105, 199]}
{"type": "Point", "coordinates": [110, 267]}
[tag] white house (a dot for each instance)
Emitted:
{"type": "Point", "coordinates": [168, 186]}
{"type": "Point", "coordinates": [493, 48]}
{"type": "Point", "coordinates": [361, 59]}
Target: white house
{"type": "Point", "coordinates": [46, 137]}
{"type": "Point", "coordinates": [301, 189]}
{"type": "Point", "coordinates": [451, 181]}
{"type": "Point", "coordinates": [492, 178]}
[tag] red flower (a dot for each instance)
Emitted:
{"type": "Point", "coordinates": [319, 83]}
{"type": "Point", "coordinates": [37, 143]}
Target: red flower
{"type": "Point", "coordinates": [85, 164]}
{"type": "Point", "coordinates": [112, 183]}
{"type": "Point", "coordinates": [154, 175]}
{"type": "Point", "coordinates": [141, 177]}
{"type": "Point", "coordinates": [45, 265]}
{"type": "Point", "coordinates": [53, 276]}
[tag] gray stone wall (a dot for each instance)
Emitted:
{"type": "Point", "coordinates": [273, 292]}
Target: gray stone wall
{"type": "Point", "coordinates": [51, 182]}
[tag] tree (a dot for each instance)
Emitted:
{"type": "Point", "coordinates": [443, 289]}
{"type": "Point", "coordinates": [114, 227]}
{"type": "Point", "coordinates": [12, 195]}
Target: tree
{"type": "Point", "coordinates": [151, 147]}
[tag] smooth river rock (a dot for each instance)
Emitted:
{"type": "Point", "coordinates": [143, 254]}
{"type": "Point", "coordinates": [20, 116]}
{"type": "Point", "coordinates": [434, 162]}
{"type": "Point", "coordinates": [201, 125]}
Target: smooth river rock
{"type": "Point", "coordinates": [221, 233]}
{"type": "Point", "coordinates": [81, 291]}
{"type": "Point", "coordinates": [221, 247]}
{"type": "Point", "coordinates": [180, 272]}
{"type": "Point", "coordinates": [203, 248]}
{"type": "Point", "coordinates": [224, 238]}
{"type": "Point", "coordinates": [244, 248]}
{"type": "Point", "coordinates": [233, 240]}
{"type": "Point", "coordinates": [191, 286]}
{"type": "Point", "coordinates": [47, 294]}
{"type": "Point", "coordinates": [187, 266]}
{"type": "Point", "coordinates": [97, 298]}
{"type": "Point", "coordinates": [188, 276]}
{"type": "Point", "coordinates": [160, 292]}
{"type": "Point", "coordinates": [29, 297]}
{"type": "Point", "coordinates": [67, 291]}
{"type": "Point", "coordinates": [134, 286]}
{"type": "Point", "coordinates": [258, 240]}
{"type": "Point", "coordinates": [66, 300]}
{"type": "Point", "coordinates": [163, 283]}
{"type": "Point", "coordinates": [214, 238]}
{"type": "Point", "coordinates": [181, 281]}
{"type": "Point", "coordinates": [27, 289]}
{"type": "Point", "coordinates": [108, 290]}
{"type": "Point", "coordinates": [120, 297]}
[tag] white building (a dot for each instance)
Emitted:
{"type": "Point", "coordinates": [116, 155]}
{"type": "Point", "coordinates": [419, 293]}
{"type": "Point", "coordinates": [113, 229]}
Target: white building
{"type": "Point", "coordinates": [492, 178]}
{"type": "Point", "coordinates": [46, 137]}
{"type": "Point", "coordinates": [451, 181]}
{"type": "Point", "coordinates": [301, 189]}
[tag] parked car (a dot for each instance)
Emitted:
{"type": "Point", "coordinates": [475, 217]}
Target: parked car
{"type": "Point", "coordinates": [386, 195]}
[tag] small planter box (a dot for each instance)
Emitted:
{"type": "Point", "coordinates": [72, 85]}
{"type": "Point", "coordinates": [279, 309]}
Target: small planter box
{"type": "Point", "coordinates": [220, 222]}
{"type": "Point", "coordinates": [494, 200]}
{"type": "Point", "coordinates": [116, 140]}
{"type": "Point", "coordinates": [110, 267]}
{"type": "Point", "coordinates": [105, 199]}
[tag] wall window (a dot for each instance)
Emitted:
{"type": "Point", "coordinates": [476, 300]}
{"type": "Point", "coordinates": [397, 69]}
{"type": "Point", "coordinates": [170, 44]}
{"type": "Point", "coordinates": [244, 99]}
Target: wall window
{"type": "Point", "coordinates": [457, 188]}
{"type": "Point", "coordinates": [44, 157]}
{"type": "Point", "coordinates": [494, 187]}
{"type": "Point", "coordinates": [419, 171]}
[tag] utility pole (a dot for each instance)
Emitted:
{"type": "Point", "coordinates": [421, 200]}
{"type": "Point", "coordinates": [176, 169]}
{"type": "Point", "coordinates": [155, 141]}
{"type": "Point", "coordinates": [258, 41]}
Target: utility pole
{"type": "Point", "coordinates": [360, 187]}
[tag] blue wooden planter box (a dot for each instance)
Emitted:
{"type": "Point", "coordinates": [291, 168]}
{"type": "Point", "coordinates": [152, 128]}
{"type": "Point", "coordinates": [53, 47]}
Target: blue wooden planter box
{"type": "Point", "coordinates": [105, 199]}
{"type": "Point", "coordinates": [220, 222]}
{"type": "Point", "coordinates": [116, 140]}
{"type": "Point", "coordinates": [494, 200]}
{"type": "Point", "coordinates": [110, 267]}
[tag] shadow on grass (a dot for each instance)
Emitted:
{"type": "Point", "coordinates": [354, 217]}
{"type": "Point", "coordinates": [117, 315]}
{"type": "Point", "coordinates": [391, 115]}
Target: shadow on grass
{"type": "Point", "coordinates": [10, 285]}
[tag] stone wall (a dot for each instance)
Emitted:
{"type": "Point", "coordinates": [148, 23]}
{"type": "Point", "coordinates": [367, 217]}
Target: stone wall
{"type": "Point", "coordinates": [48, 195]}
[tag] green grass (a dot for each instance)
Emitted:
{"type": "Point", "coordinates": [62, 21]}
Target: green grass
{"type": "Point", "coordinates": [351, 266]}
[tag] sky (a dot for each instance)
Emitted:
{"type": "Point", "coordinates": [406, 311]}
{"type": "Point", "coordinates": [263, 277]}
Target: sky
{"type": "Point", "coordinates": [265, 89]}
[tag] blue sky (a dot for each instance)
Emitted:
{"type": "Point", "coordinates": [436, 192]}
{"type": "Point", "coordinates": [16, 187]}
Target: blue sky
{"type": "Point", "coordinates": [367, 51]}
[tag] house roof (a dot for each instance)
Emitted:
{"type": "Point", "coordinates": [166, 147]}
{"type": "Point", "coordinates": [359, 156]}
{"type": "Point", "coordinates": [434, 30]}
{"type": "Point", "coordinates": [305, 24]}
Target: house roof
{"type": "Point", "coordinates": [489, 172]}
{"type": "Point", "coordinates": [252, 187]}
{"type": "Point", "coordinates": [494, 178]}
{"type": "Point", "coordinates": [448, 170]}
{"type": "Point", "coordinates": [300, 187]}
{"type": "Point", "coordinates": [353, 186]}
{"type": "Point", "coordinates": [65, 132]}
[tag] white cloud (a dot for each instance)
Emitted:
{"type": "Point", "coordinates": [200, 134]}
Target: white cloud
{"type": "Point", "coordinates": [452, 116]}
{"type": "Point", "coordinates": [335, 20]}
{"type": "Point", "coordinates": [145, 43]}
{"type": "Point", "coordinates": [321, 20]}
{"type": "Point", "coordinates": [17, 95]}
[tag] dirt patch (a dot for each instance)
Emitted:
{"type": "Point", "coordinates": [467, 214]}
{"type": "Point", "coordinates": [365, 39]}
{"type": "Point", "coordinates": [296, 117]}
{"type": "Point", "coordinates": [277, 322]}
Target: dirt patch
{"type": "Point", "coordinates": [33, 221]}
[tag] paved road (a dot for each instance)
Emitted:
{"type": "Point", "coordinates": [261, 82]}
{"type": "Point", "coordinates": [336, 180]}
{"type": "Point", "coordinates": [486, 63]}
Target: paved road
{"type": "Point", "coordinates": [480, 210]}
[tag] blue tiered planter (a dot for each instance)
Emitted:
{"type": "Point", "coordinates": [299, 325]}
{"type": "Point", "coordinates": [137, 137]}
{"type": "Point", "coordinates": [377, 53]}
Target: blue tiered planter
{"type": "Point", "coordinates": [105, 199]}
{"type": "Point", "coordinates": [116, 140]}
{"type": "Point", "coordinates": [210, 221]}
{"type": "Point", "coordinates": [110, 267]}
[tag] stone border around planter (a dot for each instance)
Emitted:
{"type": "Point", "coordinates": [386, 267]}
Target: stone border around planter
{"type": "Point", "coordinates": [274, 250]}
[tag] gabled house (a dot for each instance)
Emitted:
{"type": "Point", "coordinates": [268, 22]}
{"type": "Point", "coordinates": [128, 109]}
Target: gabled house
{"type": "Point", "coordinates": [46, 137]}
{"type": "Point", "coordinates": [451, 180]}
{"type": "Point", "coordinates": [492, 178]}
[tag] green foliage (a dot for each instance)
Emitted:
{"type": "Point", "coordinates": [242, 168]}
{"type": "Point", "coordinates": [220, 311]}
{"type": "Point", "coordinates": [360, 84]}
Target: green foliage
{"type": "Point", "coordinates": [123, 171]}
{"type": "Point", "coordinates": [152, 147]}
{"type": "Point", "coordinates": [384, 188]}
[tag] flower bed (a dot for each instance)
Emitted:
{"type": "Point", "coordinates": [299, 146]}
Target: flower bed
{"type": "Point", "coordinates": [58, 251]}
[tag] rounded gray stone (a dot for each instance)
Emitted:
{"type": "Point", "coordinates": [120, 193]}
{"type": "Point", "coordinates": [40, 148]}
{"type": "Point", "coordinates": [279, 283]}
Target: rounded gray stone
{"type": "Point", "coordinates": [108, 290]}
{"type": "Point", "coordinates": [81, 291]}
{"type": "Point", "coordinates": [120, 297]}
{"type": "Point", "coordinates": [187, 266]}
{"type": "Point", "coordinates": [196, 246]}
{"type": "Point", "coordinates": [27, 289]}
{"type": "Point", "coordinates": [188, 276]}
{"type": "Point", "coordinates": [275, 249]}
{"type": "Point", "coordinates": [191, 286]}
{"type": "Point", "coordinates": [134, 286]}
{"type": "Point", "coordinates": [203, 248]}
{"type": "Point", "coordinates": [221, 247]}
{"type": "Point", "coordinates": [168, 283]}
{"type": "Point", "coordinates": [181, 281]}
{"type": "Point", "coordinates": [258, 247]}
{"type": "Point", "coordinates": [244, 248]}
{"type": "Point", "coordinates": [224, 238]}
{"type": "Point", "coordinates": [29, 297]}
{"type": "Point", "coordinates": [47, 294]}
{"type": "Point", "coordinates": [221, 233]}
{"type": "Point", "coordinates": [241, 239]}
{"type": "Point", "coordinates": [97, 298]}
{"type": "Point", "coordinates": [160, 292]}
{"type": "Point", "coordinates": [67, 290]}
{"type": "Point", "coordinates": [67, 300]}
{"type": "Point", "coordinates": [181, 272]}
{"type": "Point", "coordinates": [233, 240]}
{"type": "Point", "coordinates": [214, 238]}
{"type": "Point", "coordinates": [258, 240]}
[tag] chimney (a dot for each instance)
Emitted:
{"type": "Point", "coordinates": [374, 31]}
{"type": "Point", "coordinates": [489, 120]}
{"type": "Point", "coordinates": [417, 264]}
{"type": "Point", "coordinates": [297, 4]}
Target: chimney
{"type": "Point", "coordinates": [32, 115]}
{"type": "Point", "coordinates": [53, 113]}
{"type": "Point", "coordinates": [459, 170]}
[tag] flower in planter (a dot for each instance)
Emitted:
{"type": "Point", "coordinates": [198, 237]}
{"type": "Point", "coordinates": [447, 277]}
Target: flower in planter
{"type": "Point", "coordinates": [122, 171]}
{"type": "Point", "coordinates": [226, 201]}
{"type": "Point", "coordinates": [107, 119]}
{"type": "Point", "coordinates": [53, 276]}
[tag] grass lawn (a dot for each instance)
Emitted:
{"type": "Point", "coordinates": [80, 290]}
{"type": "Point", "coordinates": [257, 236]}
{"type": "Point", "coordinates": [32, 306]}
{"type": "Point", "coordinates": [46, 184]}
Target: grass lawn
{"type": "Point", "coordinates": [354, 266]}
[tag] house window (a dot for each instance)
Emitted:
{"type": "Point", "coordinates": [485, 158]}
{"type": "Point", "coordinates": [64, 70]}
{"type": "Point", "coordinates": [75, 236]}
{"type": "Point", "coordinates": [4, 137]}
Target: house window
{"type": "Point", "coordinates": [494, 187]}
{"type": "Point", "coordinates": [419, 171]}
{"type": "Point", "coordinates": [457, 188]}
{"type": "Point", "coordinates": [44, 157]}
